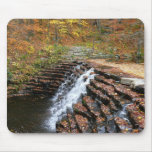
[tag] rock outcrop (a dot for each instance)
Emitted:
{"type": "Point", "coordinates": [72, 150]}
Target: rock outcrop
{"type": "Point", "coordinates": [109, 106]}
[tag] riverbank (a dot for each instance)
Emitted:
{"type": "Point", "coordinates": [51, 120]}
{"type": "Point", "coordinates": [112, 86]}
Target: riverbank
{"type": "Point", "coordinates": [134, 69]}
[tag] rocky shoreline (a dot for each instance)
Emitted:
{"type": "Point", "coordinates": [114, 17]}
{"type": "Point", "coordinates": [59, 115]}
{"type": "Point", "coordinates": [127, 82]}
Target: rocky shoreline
{"type": "Point", "coordinates": [111, 104]}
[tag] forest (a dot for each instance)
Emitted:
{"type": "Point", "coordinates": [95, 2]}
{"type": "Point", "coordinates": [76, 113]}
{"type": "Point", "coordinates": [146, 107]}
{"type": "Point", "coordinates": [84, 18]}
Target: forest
{"type": "Point", "coordinates": [36, 43]}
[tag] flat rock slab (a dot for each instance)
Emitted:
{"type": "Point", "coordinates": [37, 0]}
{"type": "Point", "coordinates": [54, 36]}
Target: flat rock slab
{"type": "Point", "coordinates": [133, 82]}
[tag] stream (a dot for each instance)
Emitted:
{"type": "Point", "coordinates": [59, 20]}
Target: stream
{"type": "Point", "coordinates": [31, 114]}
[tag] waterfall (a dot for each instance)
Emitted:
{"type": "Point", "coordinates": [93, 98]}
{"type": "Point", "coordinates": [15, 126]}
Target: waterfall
{"type": "Point", "coordinates": [64, 98]}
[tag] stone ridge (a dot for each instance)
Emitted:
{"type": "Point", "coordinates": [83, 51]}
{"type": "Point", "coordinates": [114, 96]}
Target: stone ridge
{"type": "Point", "coordinates": [48, 81]}
{"type": "Point", "coordinates": [108, 107]}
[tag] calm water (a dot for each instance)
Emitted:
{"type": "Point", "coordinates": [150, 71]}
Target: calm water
{"type": "Point", "coordinates": [27, 114]}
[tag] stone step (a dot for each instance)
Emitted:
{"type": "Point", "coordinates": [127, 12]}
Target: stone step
{"type": "Point", "coordinates": [63, 126]}
{"type": "Point", "coordinates": [76, 73]}
{"type": "Point", "coordinates": [82, 110]}
{"type": "Point", "coordinates": [43, 91]}
{"type": "Point", "coordinates": [53, 74]}
{"type": "Point", "coordinates": [121, 89]}
{"type": "Point", "coordinates": [107, 75]}
{"type": "Point", "coordinates": [61, 79]}
{"type": "Point", "coordinates": [110, 92]}
{"type": "Point", "coordinates": [53, 71]}
{"type": "Point", "coordinates": [68, 64]}
{"type": "Point", "coordinates": [97, 94]}
{"type": "Point", "coordinates": [126, 92]}
{"type": "Point", "coordinates": [137, 117]}
{"type": "Point", "coordinates": [105, 111]}
{"type": "Point", "coordinates": [80, 71]}
{"type": "Point", "coordinates": [92, 106]}
{"type": "Point", "coordinates": [83, 124]}
{"type": "Point", "coordinates": [38, 92]}
{"type": "Point", "coordinates": [113, 106]}
{"type": "Point", "coordinates": [106, 89]}
{"type": "Point", "coordinates": [104, 80]}
{"type": "Point", "coordinates": [100, 122]}
{"type": "Point", "coordinates": [122, 125]}
{"type": "Point", "coordinates": [62, 69]}
{"type": "Point", "coordinates": [113, 91]}
{"type": "Point", "coordinates": [83, 68]}
{"type": "Point", "coordinates": [110, 125]}
{"type": "Point", "coordinates": [72, 123]}
{"type": "Point", "coordinates": [141, 103]}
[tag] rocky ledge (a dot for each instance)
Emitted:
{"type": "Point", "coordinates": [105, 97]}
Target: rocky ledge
{"type": "Point", "coordinates": [111, 105]}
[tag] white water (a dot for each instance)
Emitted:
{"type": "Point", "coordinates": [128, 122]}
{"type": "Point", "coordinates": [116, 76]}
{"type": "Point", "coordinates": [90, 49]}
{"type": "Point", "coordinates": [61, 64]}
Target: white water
{"type": "Point", "coordinates": [64, 98]}
{"type": "Point", "coordinates": [123, 113]}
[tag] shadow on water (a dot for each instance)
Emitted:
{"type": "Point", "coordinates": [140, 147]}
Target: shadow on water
{"type": "Point", "coordinates": [27, 114]}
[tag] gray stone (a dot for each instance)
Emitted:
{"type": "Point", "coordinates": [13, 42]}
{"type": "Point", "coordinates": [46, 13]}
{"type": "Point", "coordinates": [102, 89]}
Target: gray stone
{"type": "Point", "coordinates": [133, 82]}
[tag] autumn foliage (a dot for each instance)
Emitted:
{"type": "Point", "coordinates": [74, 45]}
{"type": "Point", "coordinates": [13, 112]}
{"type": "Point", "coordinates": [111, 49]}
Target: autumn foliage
{"type": "Point", "coordinates": [36, 43]}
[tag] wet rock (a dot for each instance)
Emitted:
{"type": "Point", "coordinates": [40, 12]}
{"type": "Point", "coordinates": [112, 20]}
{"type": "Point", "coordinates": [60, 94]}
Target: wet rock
{"type": "Point", "coordinates": [76, 73]}
{"type": "Point", "coordinates": [62, 69]}
{"type": "Point", "coordinates": [122, 125]}
{"type": "Point", "coordinates": [72, 124]}
{"type": "Point", "coordinates": [104, 80]}
{"type": "Point", "coordinates": [79, 71]}
{"type": "Point", "coordinates": [104, 73]}
{"type": "Point", "coordinates": [91, 106]}
{"type": "Point", "coordinates": [98, 94]}
{"type": "Point", "coordinates": [61, 130]}
{"type": "Point", "coordinates": [47, 72]}
{"type": "Point", "coordinates": [88, 66]}
{"type": "Point", "coordinates": [106, 89]}
{"type": "Point", "coordinates": [85, 78]}
{"type": "Point", "coordinates": [113, 106]}
{"type": "Point", "coordinates": [136, 116]}
{"type": "Point", "coordinates": [100, 122]}
{"type": "Point", "coordinates": [83, 123]}
{"type": "Point", "coordinates": [110, 125]}
{"type": "Point", "coordinates": [92, 73]}
{"type": "Point", "coordinates": [105, 111]}
{"type": "Point", "coordinates": [63, 126]}
{"type": "Point", "coordinates": [80, 109]}
{"type": "Point", "coordinates": [120, 101]}
{"type": "Point", "coordinates": [122, 90]}
{"type": "Point", "coordinates": [141, 103]}
{"type": "Point", "coordinates": [83, 68]}
{"type": "Point", "coordinates": [68, 64]}
{"type": "Point", "coordinates": [112, 76]}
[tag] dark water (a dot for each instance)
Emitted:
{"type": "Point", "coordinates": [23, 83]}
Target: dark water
{"type": "Point", "coordinates": [28, 114]}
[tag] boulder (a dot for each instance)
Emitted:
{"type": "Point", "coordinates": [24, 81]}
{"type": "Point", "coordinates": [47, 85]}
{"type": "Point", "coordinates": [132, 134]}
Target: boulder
{"type": "Point", "coordinates": [133, 82]}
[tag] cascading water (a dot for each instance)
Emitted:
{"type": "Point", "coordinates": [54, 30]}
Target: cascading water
{"type": "Point", "coordinates": [64, 98]}
{"type": "Point", "coordinates": [123, 113]}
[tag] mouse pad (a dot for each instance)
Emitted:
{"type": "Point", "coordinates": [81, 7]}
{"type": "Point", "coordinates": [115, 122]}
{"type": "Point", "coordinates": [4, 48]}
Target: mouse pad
{"type": "Point", "coordinates": [75, 76]}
